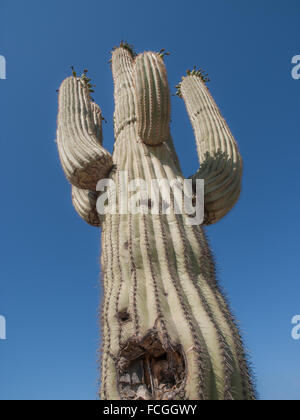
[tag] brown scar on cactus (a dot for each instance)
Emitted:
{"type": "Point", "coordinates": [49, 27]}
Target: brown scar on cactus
{"type": "Point", "coordinates": [167, 328]}
{"type": "Point", "coordinates": [148, 371]}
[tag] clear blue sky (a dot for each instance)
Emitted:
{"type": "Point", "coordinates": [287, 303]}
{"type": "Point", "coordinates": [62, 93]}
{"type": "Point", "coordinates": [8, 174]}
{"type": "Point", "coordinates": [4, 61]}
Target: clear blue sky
{"type": "Point", "coordinates": [49, 271]}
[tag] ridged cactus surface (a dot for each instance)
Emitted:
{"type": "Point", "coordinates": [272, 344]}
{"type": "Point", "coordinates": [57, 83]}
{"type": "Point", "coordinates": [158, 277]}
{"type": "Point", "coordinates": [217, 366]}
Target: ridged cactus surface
{"type": "Point", "coordinates": [221, 164]}
{"type": "Point", "coordinates": [83, 158]}
{"type": "Point", "coordinates": [167, 329]}
{"type": "Point", "coordinates": [152, 96]}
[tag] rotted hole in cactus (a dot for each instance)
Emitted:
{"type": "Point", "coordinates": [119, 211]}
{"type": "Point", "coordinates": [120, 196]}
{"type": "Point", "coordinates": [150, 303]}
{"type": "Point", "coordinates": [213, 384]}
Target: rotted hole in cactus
{"type": "Point", "coordinates": [148, 371]}
{"type": "Point", "coordinates": [124, 316]}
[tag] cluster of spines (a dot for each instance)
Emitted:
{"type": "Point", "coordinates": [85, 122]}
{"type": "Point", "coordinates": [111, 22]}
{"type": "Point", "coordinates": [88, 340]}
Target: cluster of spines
{"type": "Point", "coordinates": [126, 46]}
{"type": "Point", "coordinates": [85, 80]}
{"type": "Point", "coordinates": [198, 73]}
{"type": "Point", "coordinates": [162, 53]}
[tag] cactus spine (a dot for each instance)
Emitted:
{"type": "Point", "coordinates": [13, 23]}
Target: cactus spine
{"type": "Point", "coordinates": [167, 330]}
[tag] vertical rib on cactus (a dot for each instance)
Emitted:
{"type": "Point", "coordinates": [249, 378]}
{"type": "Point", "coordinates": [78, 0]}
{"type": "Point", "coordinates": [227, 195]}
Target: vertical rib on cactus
{"type": "Point", "coordinates": [152, 98]}
{"type": "Point", "coordinates": [167, 330]}
{"type": "Point", "coordinates": [83, 159]}
{"type": "Point", "coordinates": [220, 161]}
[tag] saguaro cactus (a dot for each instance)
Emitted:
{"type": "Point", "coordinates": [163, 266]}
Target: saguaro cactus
{"type": "Point", "coordinates": [167, 330]}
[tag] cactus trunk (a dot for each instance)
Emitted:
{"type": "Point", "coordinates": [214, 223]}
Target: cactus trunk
{"type": "Point", "coordinates": [167, 330]}
{"type": "Point", "coordinates": [162, 307]}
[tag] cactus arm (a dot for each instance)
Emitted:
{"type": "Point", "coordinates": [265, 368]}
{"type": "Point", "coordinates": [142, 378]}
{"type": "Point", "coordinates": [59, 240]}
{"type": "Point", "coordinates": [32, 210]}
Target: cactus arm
{"type": "Point", "coordinates": [152, 98]}
{"type": "Point", "coordinates": [125, 114]}
{"type": "Point", "coordinates": [219, 157]}
{"type": "Point", "coordinates": [79, 140]}
{"type": "Point", "coordinates": [84, 202]}
{"type": "Point", "coordinates": [83, 159]}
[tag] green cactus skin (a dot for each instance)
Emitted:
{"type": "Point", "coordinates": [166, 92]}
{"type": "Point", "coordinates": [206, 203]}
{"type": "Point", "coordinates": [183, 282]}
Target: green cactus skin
{"type": "Point", "coordinates": [168, 332]}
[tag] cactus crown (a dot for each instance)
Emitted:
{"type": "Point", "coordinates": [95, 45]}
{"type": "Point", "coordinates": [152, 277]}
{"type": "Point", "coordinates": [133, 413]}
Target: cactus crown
{"type": "Point", "coordinates": [178, 90]}
{"type": "Point", "coordinates": [85, 80]}
{"type": "Point", "coordinates": [126, 46]}
{"type": "Point", "coordinates": [129, 47]}
{"type": "Point", "coordinates": [198, 73]}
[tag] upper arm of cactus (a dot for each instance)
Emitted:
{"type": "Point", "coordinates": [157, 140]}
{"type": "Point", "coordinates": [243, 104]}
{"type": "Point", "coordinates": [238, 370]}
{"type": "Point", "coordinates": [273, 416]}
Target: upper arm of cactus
{"type": "Point", "coordinates": [152, 98]}
{"type": "Point", "coordinates": [219, 157]}
{"type": "Point", "coordinates": [79, 136]}
{"type": "Point", "coordinates": [84, 202]}
{"type": "Point", "coordinates": [97, 119]}
{"type": "Point", "coordinates": [124, 114]}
